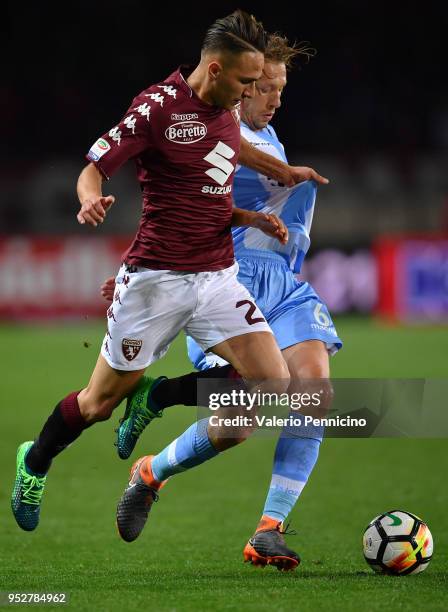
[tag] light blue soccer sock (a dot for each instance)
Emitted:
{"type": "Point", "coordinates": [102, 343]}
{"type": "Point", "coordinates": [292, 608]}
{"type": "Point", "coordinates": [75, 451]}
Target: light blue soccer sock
{"type": "Point", "coordinates": [294, 460]}
{"type": "Point", "coordinates": [191, 448]}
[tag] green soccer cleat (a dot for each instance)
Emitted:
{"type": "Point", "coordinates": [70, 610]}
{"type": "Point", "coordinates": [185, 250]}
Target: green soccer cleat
{"type": "Point", "coordinates": [27, 492]}
{"type": "Point", "coordinates": [140, 411]}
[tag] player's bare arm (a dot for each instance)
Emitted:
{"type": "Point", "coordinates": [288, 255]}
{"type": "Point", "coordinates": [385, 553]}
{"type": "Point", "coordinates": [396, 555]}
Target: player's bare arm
{"type": "Point", "coordinates": [269, 224]}
{"type": "Point", "coordinates": [93, 204]}
{"type": "Point", "coordinates": [270, 166]}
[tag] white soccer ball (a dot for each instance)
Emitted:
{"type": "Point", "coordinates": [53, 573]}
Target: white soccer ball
{"type": "Point", "coordinates": [398, 543]}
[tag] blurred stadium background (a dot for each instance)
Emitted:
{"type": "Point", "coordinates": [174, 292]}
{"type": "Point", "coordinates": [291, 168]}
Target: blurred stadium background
{"type": "Point", "coordinates": [370, 112]}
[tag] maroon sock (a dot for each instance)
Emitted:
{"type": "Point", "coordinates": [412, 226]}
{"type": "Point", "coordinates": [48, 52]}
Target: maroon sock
{"type": "Point", "coordinates": [63, 426]}
{"type": "Point", "coordinates": [71, 414]}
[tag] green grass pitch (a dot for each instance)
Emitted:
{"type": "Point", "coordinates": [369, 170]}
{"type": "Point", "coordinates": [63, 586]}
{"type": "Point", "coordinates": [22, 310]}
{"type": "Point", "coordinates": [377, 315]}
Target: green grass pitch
{"type": "Point", "coordinates": [190, 554]}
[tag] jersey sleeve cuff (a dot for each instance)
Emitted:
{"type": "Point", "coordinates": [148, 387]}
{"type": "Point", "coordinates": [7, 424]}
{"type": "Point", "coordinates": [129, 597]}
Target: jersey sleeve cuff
{"type": "Point", "coordinates": [98, 165]}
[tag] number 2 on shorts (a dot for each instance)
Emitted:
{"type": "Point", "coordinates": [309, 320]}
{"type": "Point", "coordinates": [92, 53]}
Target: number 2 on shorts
{"type": "Point", "coordinates": [250, 311]}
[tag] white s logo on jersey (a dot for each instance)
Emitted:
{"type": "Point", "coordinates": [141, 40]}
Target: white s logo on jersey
{"type": "Point", "coordinates": [218, 158]}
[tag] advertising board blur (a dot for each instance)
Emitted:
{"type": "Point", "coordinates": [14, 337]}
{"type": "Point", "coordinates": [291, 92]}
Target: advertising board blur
{"type": "Point", "coordinates": [402, 279]}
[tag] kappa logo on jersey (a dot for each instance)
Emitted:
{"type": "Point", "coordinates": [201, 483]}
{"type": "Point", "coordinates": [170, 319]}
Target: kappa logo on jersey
{"type": "Point", "coordinates": [130, 122]}
{"type": "Point", "coordinates": [219, 158]}
{"type": "Point", "coordinates": [236, 113]}
{"type": "Point", "coordinates": [186, 132]}
{"type": "Point", "coordinates": [185, 117]}
{"type": "Point", "coordinates": [156, 97]}
{"type": "Point", "coordinates": [115, 134]}
{"type": "Point", "coordinates": [144, 110]}
{"type": "Point", "coordinates": [98, 149]}
{"type": "Point", "coordinates": [131, 348]}
{"type": "Point", "coordinates": [168, 89]}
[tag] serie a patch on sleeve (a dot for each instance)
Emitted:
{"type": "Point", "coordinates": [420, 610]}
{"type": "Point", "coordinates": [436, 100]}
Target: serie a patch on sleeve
{"type": "Point", "coordinates": [98, 149]}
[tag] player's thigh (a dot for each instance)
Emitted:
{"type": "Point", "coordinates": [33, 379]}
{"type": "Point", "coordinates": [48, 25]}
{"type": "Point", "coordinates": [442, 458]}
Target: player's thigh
{"type": "Point", "coordinates": [107, 387]}
{"type": "Point", "coordinates": [259, 361]}
{"type": "Point", "coordinates": [256, 356]}
{"type": "Point", "coordinates": [308, 359]}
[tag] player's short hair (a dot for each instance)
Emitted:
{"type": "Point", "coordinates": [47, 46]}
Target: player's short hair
{"type": "Point", "coordinates": [235, 33]}
{"type": "Point", "coordinates": [278, 50]}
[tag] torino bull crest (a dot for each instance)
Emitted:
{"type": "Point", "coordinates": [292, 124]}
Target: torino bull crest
{"type": "Point", "coordinates": [131, 348]}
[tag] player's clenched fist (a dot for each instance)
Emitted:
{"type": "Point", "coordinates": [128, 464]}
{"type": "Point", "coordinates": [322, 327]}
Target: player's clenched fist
{"type": "Point", "coordinates": [93, 210]}
{"type": "Point", "coordinates": [271, 225]}
{"type": "Point", "coordinates": [108, 288]}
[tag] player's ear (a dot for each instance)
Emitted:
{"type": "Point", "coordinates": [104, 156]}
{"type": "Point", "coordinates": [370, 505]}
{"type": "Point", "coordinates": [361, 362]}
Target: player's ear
{"type": "Point", "coordinates": [214, 70]}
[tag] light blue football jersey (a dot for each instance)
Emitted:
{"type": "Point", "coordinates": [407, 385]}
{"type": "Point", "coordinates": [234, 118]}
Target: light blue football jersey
{"type": "Point", "coordinates": [295, 206]}
{"type": "Point", "coordinates": [266, 268]}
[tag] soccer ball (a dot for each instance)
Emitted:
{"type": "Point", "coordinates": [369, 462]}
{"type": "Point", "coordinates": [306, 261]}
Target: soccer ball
{"type": "Point", "coordinates": [398, 543]}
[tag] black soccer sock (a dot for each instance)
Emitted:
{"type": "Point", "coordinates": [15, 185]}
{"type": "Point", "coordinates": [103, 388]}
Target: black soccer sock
{"type": "Point", "coordinates": [63, 426]}
{"type": "Point", "coordinates": [183, 390]}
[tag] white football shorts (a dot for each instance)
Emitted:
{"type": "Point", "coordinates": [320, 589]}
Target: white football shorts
{"type": "Point", "coordinates": [151, 307]}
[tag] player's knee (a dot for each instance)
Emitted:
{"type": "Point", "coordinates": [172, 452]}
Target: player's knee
{"type": "Point", "coordinates": [277, 385]}
{"type": "Point", "coordinates": [281, 376]}
{"type": "Point", "coordinates": [272, 378]}
{"type": "Point", "coordinates": [314, 394]}
{"type": "Point", "coordinates": [222, 441]}
{"type": "Point", "coordinates": [280, 372]}
{"type": "Point", "coordinates": [325, 393]}
{"type": "Point", "coordinates": [312, 380]}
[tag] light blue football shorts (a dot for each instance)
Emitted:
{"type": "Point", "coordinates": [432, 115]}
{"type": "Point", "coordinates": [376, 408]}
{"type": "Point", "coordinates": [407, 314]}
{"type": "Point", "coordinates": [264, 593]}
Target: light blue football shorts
{"type": "Point", "coordinates": [292, 308]}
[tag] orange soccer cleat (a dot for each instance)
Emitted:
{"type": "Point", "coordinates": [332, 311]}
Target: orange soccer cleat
{"type": "Point", "coordinates": [267, 546]}
{"type": "Point", "coordinates": [137, 499]}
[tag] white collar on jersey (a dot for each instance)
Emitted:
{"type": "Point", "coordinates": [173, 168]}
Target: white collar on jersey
{"type": "Point", "coordinates": [184, 80]}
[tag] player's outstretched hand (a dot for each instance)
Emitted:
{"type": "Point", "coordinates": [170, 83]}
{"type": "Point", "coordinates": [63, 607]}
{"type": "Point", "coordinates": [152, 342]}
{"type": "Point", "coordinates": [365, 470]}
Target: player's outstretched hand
{"type": "Point", "coordinates": [108, 288]}
{"type": "Point", "coordinates": [93, 210]}
{"type": "Point", "coordinates": [298, 174]}
{"type": "Point", "coordinates": [272, 226]}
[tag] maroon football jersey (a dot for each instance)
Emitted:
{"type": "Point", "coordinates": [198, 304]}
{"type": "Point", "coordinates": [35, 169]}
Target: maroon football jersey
{"type": "Point", "coordinates": [185, 152]}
